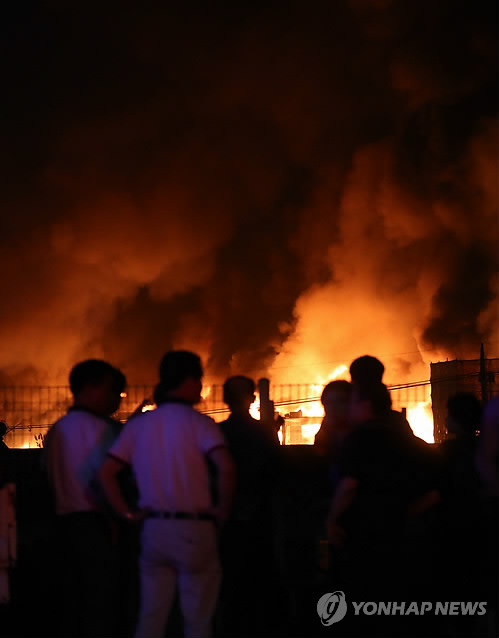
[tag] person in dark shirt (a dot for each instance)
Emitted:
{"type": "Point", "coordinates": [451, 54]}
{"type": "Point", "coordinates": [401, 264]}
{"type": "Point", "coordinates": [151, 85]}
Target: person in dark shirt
{"type": "Point", "coordinates": [368, 371]}
{"type": "Point", "coordinates": [3, 431]}
{"type": "Point", "coordinates": [246, 543]}
{"type": "Point", "coordinates": [5, 470]}
{"type": "Point", "coordinates": [380, 483]}
{"type": "Point", "coordinates": [386, 503]}
{"type": "Point", "coordinates": [463, 560]}
{"type": "Point", "coordinates": [336, 422]}
{"type": "Point", "coordinates": [369, 467]}
{"type": "Point", "coordinates": [487, 457]}
{"type": "Point", "coordinates": [486, 462]}
{"type": "Point", "coordinates": [327, 445]}
{"type": "Point", "coordinates": [461, 481]}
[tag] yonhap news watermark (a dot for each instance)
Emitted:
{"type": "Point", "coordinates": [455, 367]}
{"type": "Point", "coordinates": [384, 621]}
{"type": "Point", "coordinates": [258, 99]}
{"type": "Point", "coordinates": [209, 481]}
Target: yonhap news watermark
{"type": "Point", "coordinates": [333, 607]}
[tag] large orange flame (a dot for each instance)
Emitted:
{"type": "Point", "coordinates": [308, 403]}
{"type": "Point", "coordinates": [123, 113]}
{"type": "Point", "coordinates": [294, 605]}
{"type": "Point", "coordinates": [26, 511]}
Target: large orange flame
{"type": "Point", "coordinates": [420, 419]}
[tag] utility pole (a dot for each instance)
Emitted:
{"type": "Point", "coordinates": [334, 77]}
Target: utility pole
{"type": "Point", "coordinates": [266, 405]}
{"type": "Point", "coordinates": [267, 409]}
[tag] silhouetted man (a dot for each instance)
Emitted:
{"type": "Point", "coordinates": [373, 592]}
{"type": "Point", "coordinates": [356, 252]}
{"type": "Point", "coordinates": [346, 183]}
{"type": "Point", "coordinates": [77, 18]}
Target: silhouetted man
{"type": "Point", "coordinates": [368, 371]}
{"type": "Point", "coordinates": [360, 510]}
{"type": "Point", "coordinates": [463, 513]}
{"type": "Point", "coordinates": [4, 456]}
{"type": "Point", "coordinates": [487, 459]}
{"type": "Point", "coordinates": [76, 446]}
{"type": "Point", "coordinates": [247, 538]}
{"type": "Point", "coordinates": [379, 483]}
{"type": "Point", "coordinates": [3, 432]}
{"type": "Point", "coordinates": [167, 449]}
{"type": "Point", "coordinates": [336, 422]}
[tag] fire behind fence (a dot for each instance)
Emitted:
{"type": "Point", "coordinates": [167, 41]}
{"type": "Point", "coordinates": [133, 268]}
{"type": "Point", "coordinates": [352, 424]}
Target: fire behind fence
{"type": "Point", "coordinates": [29, 411]}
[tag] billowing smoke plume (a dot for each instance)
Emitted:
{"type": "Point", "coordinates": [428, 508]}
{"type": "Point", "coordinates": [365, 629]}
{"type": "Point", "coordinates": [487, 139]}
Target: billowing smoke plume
{"type": "Point", "coordinates": [280, 189]}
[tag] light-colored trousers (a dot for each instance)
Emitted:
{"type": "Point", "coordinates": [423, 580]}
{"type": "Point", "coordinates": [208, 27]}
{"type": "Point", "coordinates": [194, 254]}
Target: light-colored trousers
{"type": "Point", "coordinates": [183, 554]}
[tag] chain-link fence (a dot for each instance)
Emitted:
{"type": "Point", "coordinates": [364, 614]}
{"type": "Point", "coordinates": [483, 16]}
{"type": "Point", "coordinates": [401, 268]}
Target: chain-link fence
{"type": "Point", "coordinates": [29, 411]}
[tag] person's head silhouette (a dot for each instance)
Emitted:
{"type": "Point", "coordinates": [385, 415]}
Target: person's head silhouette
{"type": "Point", "coordinates": [464, 414]}
{"type": "Point", "coordinates": [97, 386]}
{"type": "Point", "coordinates": [366, 370]}
{"type": "Point", "coordinates": [180, 377]}
{"type": "Point", "coordinates": [239, 393]}
{"type": "Point", "coordinates": [336, 401]}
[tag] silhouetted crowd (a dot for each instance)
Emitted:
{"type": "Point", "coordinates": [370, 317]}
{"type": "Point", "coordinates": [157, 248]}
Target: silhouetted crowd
{"type": "Point", "coordinates": [410, 521]}
{"type": "Point", "coordinates": [167, 524]}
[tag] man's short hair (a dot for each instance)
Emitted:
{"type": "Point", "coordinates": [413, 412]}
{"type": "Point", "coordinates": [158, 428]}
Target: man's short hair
{"type": "Point", "coordinates": [340, 386]}
{"type": "Point", "coordinates": [93, 372]}
{"type": "Point", "coordinates": [378, 395]}
{"type": "Point", "coordinates": [366, 370]}
{"type": "Point", "coordinates": [466, 410]}
{"type": "Point", "coordinates": [177, 366]}
{"type": "Point", "coordinates": [237, 388]}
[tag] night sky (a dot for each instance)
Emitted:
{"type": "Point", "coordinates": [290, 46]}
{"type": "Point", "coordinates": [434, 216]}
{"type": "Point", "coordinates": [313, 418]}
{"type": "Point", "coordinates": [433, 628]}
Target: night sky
{"type": "Point", "coordinates": [315, 179]}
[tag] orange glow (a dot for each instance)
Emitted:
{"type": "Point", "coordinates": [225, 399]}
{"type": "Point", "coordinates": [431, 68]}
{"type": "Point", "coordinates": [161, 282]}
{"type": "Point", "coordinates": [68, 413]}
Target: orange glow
{"type": "Point", "coordinates": [148, 407]}
{"type": "Point", "coordinates": [338, 372]}
{"type": "Point", "coordinates": [420, 419]}
{"type": "Point", "coordinates": [205, 392]}
{"type": "Point", "coordinates": [308, 432]}
{"type": "Point", "coordinates": [347, 318]}
{"type": "Point", "coordinates": [255, 407]}
{"type": "Point", "coordinates": [314, 408]}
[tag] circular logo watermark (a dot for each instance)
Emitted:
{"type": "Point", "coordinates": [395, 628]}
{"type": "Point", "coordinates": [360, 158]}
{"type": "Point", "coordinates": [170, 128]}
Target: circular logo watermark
{"type": "Point", "coordinates": [332, 608]}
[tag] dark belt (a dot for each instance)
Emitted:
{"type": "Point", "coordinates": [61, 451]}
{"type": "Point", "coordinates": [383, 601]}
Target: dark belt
{"type": "Point", "coordinates": [189, 516]}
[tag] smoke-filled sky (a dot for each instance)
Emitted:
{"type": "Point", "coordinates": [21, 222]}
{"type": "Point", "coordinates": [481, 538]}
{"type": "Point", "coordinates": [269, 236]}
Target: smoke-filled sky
{"type": "Point", "coordinates": [281, 187]}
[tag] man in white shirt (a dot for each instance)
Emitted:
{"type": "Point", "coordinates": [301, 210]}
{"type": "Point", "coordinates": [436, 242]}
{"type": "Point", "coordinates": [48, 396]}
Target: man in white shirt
{"type": "Point", "coordinates": [75, 447]}
{"type": "Point", "coordinates": [167, 449]}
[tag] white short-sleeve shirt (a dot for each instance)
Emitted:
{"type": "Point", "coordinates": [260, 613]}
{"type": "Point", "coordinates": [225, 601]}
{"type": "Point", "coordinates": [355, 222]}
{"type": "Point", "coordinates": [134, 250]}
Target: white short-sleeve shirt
{"type": "Point", "coordinates": [166, 448]}
{"type": "Point", "coordinates": [76, 447]}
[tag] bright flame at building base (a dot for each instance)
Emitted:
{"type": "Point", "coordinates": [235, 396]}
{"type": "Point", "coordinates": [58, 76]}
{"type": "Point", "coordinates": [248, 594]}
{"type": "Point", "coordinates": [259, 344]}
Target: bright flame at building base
{"type": "Point", "coordinates": [420, 419]}
{"type": "Point", "coordinates": [308, 432]}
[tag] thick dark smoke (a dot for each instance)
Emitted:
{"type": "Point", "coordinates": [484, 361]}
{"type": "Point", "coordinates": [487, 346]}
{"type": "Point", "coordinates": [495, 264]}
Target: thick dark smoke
{"type": "Point", "coordinates": [245, 182]}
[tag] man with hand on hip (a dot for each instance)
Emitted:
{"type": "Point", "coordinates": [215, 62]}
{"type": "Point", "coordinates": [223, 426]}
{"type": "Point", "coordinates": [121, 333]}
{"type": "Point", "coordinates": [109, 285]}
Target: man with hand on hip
{"type": "Point", "coordinates": [167, 449]}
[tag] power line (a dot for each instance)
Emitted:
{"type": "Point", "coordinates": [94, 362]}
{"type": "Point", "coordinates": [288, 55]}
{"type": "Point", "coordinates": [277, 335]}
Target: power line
{"type": "Point", "coordinates": [299, 400]}
{"type": "Point", "coordinates": [395, 387]}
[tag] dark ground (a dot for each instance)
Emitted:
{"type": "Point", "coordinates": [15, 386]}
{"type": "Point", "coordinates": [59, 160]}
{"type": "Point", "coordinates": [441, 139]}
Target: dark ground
{"type": "Point", "coordinates": [296, 579]}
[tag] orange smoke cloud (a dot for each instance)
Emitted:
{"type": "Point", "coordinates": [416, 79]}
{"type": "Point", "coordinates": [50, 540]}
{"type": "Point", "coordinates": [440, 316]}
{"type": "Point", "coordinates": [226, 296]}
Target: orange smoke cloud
{"type": "Point", "coordinates": [279, 195]}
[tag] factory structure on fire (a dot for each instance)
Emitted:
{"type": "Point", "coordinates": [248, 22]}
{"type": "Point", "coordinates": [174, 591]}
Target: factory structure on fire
{"type": "Point", "coordinates": [29, 411]}
{"type": "Point", "coordinates": [479, 376]}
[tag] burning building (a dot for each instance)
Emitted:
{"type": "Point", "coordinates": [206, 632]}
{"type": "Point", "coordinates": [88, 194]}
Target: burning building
{"type": "Point", "coordinates": [291, 190]}
{"type": "Point", "coordinates": [480, 377]}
